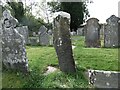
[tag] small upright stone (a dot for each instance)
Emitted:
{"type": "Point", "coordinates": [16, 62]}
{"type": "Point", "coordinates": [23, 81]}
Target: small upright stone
{"type": "Point", "coordinates": [43, 36]}
{"type": "Point", "coordinates": [92, 33]}
{"type": "Point", "coordinates": [62, 42]}
{"type": "Point", "coordinates": [23, 31]}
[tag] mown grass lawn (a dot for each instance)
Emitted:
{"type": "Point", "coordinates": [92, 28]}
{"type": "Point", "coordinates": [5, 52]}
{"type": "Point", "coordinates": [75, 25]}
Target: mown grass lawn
{"type": "Point", "coordinates": [40, 57]}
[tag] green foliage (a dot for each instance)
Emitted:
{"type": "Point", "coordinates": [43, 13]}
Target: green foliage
{"type": "Point", "coordinates": [77, 10]}
{"type": "Point", "coordinates": [18, 10]}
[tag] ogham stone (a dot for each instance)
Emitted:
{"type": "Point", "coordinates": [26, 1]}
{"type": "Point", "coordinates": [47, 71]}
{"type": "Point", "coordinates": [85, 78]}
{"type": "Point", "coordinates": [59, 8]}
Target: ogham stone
{"type": "Point", "coordinates": [111, 32]}
{"type": "Point", "coordinates": [62, 42]}
{"type": "Point", "coordinates": [92, 33]}
{"type": "Point", "coordinates": [13, 46]}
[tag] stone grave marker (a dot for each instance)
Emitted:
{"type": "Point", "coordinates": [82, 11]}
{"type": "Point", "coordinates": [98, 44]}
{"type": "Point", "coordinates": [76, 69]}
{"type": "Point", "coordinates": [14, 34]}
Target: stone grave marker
{"type": "Point", "coordinates": [23, 31]}
{"type": "Point", "coordinates": [103, 79]}
{"type": "Point", "coordinates": [62, 42]}
{"type": "Point", "coordinates": [13, 45]}
{"type": "Point", "coordinates": [80, 31]}
{"type": "Point", "coordinates": [111, 32]}
{"type": "Point", "coordinates": [92, 33]}
{"type": "Point", "coordinates": [43, 36]}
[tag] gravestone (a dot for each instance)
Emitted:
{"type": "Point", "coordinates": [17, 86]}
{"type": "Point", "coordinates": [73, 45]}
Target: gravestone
{"type": "Point", "coordinates": [80, 31]}
{"type": "Point", "coordinates": [33, 41]}
{"type": "Point", "coordinates": [92, 33]}
{"type": "Point", "coordinates": [50, 33]}
{"type": "Point", "coordinates": [62, 42]}
{"type": "Point", "coordinates": [23, 31]}
{"type": "Point", "coordinates": [13, 45]}
{"type": "Point", "coordinates": [103, 79]}
{"type": "Point", "coordinates": [111, 32]}
{"type": "Point", "coordinates": [43, 36]}
{"type": "Point", "coordinates": [73, 33]}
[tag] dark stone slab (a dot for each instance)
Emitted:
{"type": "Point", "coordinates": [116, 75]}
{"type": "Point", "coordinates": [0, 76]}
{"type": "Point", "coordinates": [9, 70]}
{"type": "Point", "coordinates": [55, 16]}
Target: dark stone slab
{"type": "Point", "coordinates": [92, 33]}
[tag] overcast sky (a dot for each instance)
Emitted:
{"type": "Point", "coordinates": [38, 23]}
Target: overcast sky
{"type": "Point", "coordinates": [101, 9]}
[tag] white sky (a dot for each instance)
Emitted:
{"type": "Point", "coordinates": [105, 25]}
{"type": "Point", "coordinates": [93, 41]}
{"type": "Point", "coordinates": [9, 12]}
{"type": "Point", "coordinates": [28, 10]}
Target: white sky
{"type": "Point", "coordinates": [103, 9]}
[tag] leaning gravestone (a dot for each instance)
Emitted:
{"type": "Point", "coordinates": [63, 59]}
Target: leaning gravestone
{"type": "Point", "coordinates": [13, 45]}
{"type": "Point", "coordinates": [92, 33]}
{"type": "Point", "coordinates": [62, 42]}
{"type": "Point", "coordinates": [111, 32]}
{"type": "Point", "coordinates": [103, 79]}
{"type": "Point", "coordinates": [23, 31]}
{"type": "Point", "coordinates": [43, 36]}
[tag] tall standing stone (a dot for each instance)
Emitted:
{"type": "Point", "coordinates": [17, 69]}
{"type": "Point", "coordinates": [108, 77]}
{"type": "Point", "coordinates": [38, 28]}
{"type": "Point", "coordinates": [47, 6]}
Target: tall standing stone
{"type": "Point", "coordinates": [13, 45]}
{"type": "Point", "coordinates": [62, 42]}
{"type": "Point", "coordinates": [111, 32]}
{"type": "Point", "coordinates": [92, 33]}
{"type": "Point", "coordinates": [43, 36]}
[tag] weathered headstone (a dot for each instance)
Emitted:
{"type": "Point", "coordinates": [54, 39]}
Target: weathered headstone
{"type": "Point", "coordinates": [13, 45]}
{"type": "Point", "coordinates": [33, 41]}
{"type": "Point", "coordinates": [111, 32]}
{"type": "Point", "coordinates": [43, 36]}
{"type": "Point", "coordinates": [92, 33]}
{"type": "Point", "coordinates": [23, 31]}
{"type": "Point", "coordinates": [80, 31]}
{"type": "Point", "coordinates": [103, 79]}
{"type": "Point", "coordinates": [62, 42]}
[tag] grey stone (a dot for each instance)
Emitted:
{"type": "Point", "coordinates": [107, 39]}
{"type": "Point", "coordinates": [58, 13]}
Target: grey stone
{"type": "Point", "coordinates": [103, 79]}
{"type": "Point", "coordinates": [80, 31]}
{"type": "Point", "coordinates": [33, 41]}
{"type": "Point", "coordinates": [62, 42]}
{"type": "Point", "coordinates": [92, 33]}
{"type": "Point", "coordinates": [43, 36]}
{"type": "Point", "coordinates": [23, 31]}
{"type": "Point", "coordinates": [111, 32]}
{"type": "Point", "coordinates": [13, 47]}
{"type": "Point", "coordinates": [73, 33]}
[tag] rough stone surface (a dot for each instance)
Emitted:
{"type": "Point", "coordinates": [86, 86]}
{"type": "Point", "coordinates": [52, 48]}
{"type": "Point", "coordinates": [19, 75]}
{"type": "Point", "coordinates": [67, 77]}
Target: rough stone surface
{"type": "Point", "coordinates": [43, 36]}
{"type": "Point", "coordinates": [92, 33]}
{"type": "Point", "coordinates": [103, 79]}
{"type": "Point", "coordinates": [62, 42]}
{"type": "Point", "coordinates": [23, 31]}
{"type": "Point", "coordinates": [111, 32]}
{"type": "Point", "coordinates": [13, 46]}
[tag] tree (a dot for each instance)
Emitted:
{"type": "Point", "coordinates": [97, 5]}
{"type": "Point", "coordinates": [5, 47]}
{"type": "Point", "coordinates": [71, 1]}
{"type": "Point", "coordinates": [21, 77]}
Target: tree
{"type": "Point", "coordinates": [77, 10]}
{"type": "Point", "coordinates": [19, 11]}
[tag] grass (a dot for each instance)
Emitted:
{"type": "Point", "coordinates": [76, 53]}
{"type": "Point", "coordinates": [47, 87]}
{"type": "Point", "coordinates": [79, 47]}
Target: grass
{"type": "Point", "coordinates": [40, 57]}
